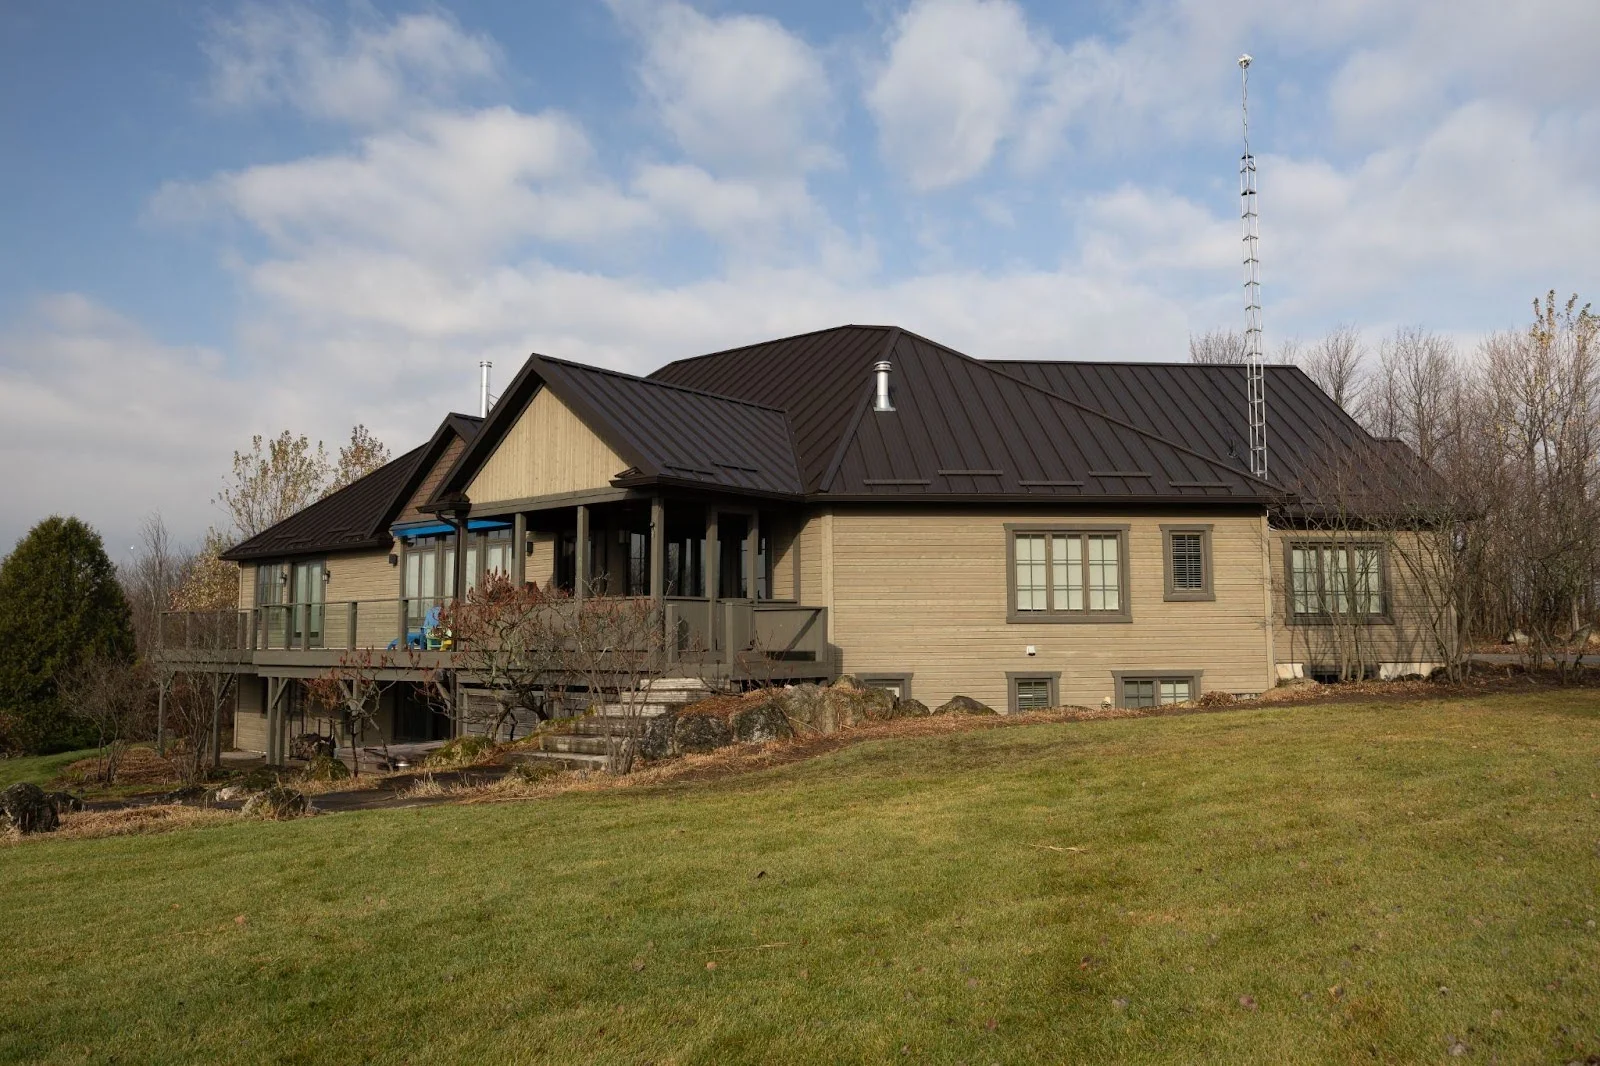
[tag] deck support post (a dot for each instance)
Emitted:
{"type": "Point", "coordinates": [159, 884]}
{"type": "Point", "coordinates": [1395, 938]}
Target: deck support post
{"type": "Point", "coordinates": [713, 572]}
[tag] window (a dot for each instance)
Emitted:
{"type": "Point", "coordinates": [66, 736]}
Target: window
{"type": "Point", "coordinates": [897, 685]}
{"type": "Point", "coordinates": [1156, 690]}
{"type": "Point", "coordinates": [1187, 550]}
{"type": "Point", "coordinates": [1031, 691]}
{"type": "Point", "coordinates": [1336, 582]}
{"type": "Point", "coordinates": [1069, 575]}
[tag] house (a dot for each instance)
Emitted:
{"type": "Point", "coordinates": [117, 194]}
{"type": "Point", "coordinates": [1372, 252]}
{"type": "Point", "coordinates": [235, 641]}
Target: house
{"type": "Point", "coordinates": [865, 500]}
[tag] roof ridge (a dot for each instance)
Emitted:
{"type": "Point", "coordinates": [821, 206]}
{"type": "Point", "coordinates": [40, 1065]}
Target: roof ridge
{"type": "Point", "coordinates": [1136, 362]}
{"type": "Point", "coordinates": [1099, 413]}
{"type": "Point", "coordinates": [663, 384]}
{"type": "Point", "coordinates": [773, 340]}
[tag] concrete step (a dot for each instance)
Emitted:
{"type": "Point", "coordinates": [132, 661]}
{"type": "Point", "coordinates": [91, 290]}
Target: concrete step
{"type": "Point", "coordinates": [598, 725]}
{"type": "Point", "coordinates": [566, 760]}
{"type": "Point", "coordinates": [581, 744]}
{"type": "Point", "coordinates": [637, 710]}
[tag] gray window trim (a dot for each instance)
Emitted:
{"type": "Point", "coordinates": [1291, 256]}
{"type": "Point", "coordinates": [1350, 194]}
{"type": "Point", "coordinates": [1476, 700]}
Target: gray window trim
{"type": "Point", "coordinates": [1084, 617]}
{"type": "Point", "coordinates": [1385, 617]}
{"type": "Point", "coordinates": [1013, 676]}
{"type": "Point", "coordinates": [1207, 590]}
{"type": "Point", "coordinates": [903, 677]}
{"type": "Point", "coordinates": [1194, 677]}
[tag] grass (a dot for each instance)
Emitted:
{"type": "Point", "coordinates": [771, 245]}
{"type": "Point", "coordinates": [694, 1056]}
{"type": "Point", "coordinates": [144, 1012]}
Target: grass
{"type": "Point", "coordinates": [1291, 884]}
{"type": "Point", "coordinates": [39, 770]}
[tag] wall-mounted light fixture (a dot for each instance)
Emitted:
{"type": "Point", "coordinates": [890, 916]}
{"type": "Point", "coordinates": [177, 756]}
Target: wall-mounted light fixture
{"type": "Point", "coordinates": [394, 559]}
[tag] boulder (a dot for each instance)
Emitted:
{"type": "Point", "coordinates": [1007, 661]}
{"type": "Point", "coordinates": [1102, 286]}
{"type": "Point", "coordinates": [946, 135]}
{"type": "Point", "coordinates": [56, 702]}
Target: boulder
{"type": "Point", "coordinates": [310, 746]}
{"type": "Point", "coordinates": [761, 722]}
{"type": "Point", "coordinates": [964, 705]}
{"type": "Point", "coordinates": [65, 801]}
{"type": "Point", "coordinates": [189, 795]}
{"type": "Point", "coordinates": [700, 732]}
{"type": "Point", "coordinates": [906, 707]}
{"type": "Point", "coordinates": [655, 736]}
{"type": "Point", "coordinates": [279, 804]}
{"type": "Point", "coordinates": [873, 705]}
{"type": "Point", "coordinates": [230, 793]}
{"type": "Point", "coordinates": [27, 808]}
{"type": "Point", "coordinates": [848, 683]}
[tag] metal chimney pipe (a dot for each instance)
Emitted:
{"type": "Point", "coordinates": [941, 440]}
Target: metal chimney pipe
{"type": "Point", "coordinates": [483, 400]}
{"type": "Point", "coordinates": [882, 401]}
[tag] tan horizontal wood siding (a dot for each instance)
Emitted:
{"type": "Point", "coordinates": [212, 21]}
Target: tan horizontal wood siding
{"type": "Point", "coordinates": [247, 586]}
{"type": "Point", "coordinates": [1405, 638]}
{"type": "Point", "coordinates": [813, 588]}
{"type": "Point", "coordinates": [783, 537]}
{"type": "Point", "coordinates": [926, 593]}
{"type": "Point", "coordinates": [547, 452]}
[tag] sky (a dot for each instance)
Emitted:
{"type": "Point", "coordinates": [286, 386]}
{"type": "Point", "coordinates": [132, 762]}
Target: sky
{"type": "Point", "coordinates": [225, 219]}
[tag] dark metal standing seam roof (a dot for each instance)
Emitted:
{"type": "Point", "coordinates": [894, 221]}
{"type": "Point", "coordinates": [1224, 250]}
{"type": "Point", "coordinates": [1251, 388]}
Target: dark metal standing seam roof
{"type": "Point", "coordinates": [817, 378]}
{"type": "Point", "coordinates": [682, 434]}
{"type": "Point", "coordinates": [959, 428]}
{"type": "Point", "coordinates": [1314, 447]}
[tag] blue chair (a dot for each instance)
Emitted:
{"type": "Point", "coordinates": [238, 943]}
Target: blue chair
{"type": "Point", "coordinates": [417, 639]}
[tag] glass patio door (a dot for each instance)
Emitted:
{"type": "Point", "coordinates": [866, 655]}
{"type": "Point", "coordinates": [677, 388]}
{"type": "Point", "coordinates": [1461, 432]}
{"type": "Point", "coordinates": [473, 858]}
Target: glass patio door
{"type": "Point", "coordinates": [308, 604]}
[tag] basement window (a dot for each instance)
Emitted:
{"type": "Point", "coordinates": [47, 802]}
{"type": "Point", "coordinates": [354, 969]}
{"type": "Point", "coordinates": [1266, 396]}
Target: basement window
{"type": "Point", "coordinates": [1031, 692]}
{"type": "Point", "coordinates": [1156, 690]}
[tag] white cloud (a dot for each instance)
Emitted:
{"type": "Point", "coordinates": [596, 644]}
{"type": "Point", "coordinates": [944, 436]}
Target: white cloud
{"type": "Point", "coordinates": [287, 54]}
{"type": "Point", "coordinates": [949, 90]}
{"type": "Point", "coordinates": [737, 92]}
{"type": "Point", "coordinates": [446, 184]}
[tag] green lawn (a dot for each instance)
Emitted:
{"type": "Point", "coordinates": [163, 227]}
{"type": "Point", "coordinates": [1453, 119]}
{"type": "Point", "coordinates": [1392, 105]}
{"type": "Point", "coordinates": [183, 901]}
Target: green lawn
{"type": "Point", "coordinates": [1381, 882]}
{"type": "Point", "coordinates": [40, 770]}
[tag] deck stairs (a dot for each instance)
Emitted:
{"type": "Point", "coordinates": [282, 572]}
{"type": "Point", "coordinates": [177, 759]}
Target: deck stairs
{"type": "Point", "coordinates": [586, 742]}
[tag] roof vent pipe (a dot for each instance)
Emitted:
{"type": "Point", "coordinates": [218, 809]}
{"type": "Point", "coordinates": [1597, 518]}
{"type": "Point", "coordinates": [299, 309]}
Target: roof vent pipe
{"type": "Point", "coordinates": [483, 399]}
{"type": "Point", "coordinates": [882, 402]}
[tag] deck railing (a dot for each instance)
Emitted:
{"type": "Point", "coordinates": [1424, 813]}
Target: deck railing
{"type": "Point", "coordinates": [730, 630]}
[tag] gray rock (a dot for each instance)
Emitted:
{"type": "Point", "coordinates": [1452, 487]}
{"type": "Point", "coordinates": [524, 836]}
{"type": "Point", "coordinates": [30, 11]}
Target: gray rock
{"type": "Point", "coordinates": [700, 732]}
{"type": "Point", "coordinates": [279, 804]}
{"type": "Point", "coordinates": [65, 801]}
{"type": "Point", "coordinates": [906, 707]}
{"type": "Point", "coordinates": [762, 722]}
{"type": "Point", "coordinates": [25, 808]}
{"type": "Point", "coordinates": [848, 682]}
{"type": "Point", "coordinates": [309, 746]}
{"type": "Point", "coordinates": [228, 793]}
{"type": "Point", "coordinates": [655, 737]}
{"type": "Point", "coordinates": [964, 705]}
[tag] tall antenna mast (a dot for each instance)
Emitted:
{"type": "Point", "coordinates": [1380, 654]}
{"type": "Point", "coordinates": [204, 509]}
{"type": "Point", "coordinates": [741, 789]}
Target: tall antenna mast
{"type": "Point", "coordinates": [1255, 375]}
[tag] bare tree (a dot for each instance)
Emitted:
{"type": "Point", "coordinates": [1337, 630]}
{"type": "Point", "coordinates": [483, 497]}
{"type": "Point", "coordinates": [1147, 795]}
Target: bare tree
{"type": "Point", "coordinates": [272, 481]}
{"type": "Point", "coordinates": [1407, 397]}
{"type": "Point", "coordinates": [1334, 363]}
{"type": "Point", "coordinates": [511, 640]}
{"type": "Point", "coordinates": [113, 696]}
{"type": "Point", "coordinates": [1217, 346]}
{"type": "Point", "coordinates": [354, 688]}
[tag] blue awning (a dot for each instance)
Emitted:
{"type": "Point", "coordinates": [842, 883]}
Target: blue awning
{"type": "Point", "coordinates": [433, 528]}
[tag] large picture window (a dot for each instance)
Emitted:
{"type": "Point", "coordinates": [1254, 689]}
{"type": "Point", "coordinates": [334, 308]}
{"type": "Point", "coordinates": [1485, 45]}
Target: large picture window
{"type": "Point", "coordinates": [1334, 582]}
{"type": "Point", "coordinates": [1068, 575]}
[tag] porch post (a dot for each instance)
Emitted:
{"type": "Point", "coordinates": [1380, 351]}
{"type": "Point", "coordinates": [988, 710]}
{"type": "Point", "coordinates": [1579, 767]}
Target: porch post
{"type": "Point", "coordinates": [400, 593]}
{"type": "Point", "coordinates": [658, 550]}
{"type": "Point", "coordinates": [752, 544]}
{"type": "Point", "coordinates": [713, 568]}
{"type": "Point", "coordinates": [519, 549]}
{"type": "Point", "coordinates": [580, 556]}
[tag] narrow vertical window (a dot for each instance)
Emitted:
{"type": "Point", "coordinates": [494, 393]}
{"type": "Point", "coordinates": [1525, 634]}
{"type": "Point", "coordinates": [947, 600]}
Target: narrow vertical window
{"type": "Point", "coordinates": [1030, 573]}
{"type": "Point", "coordinates": [1067, 572]}
{"type": "Point", "coordinates": [1188, 563]}
{"type": "Point", "coordinates": [1105, 583]}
